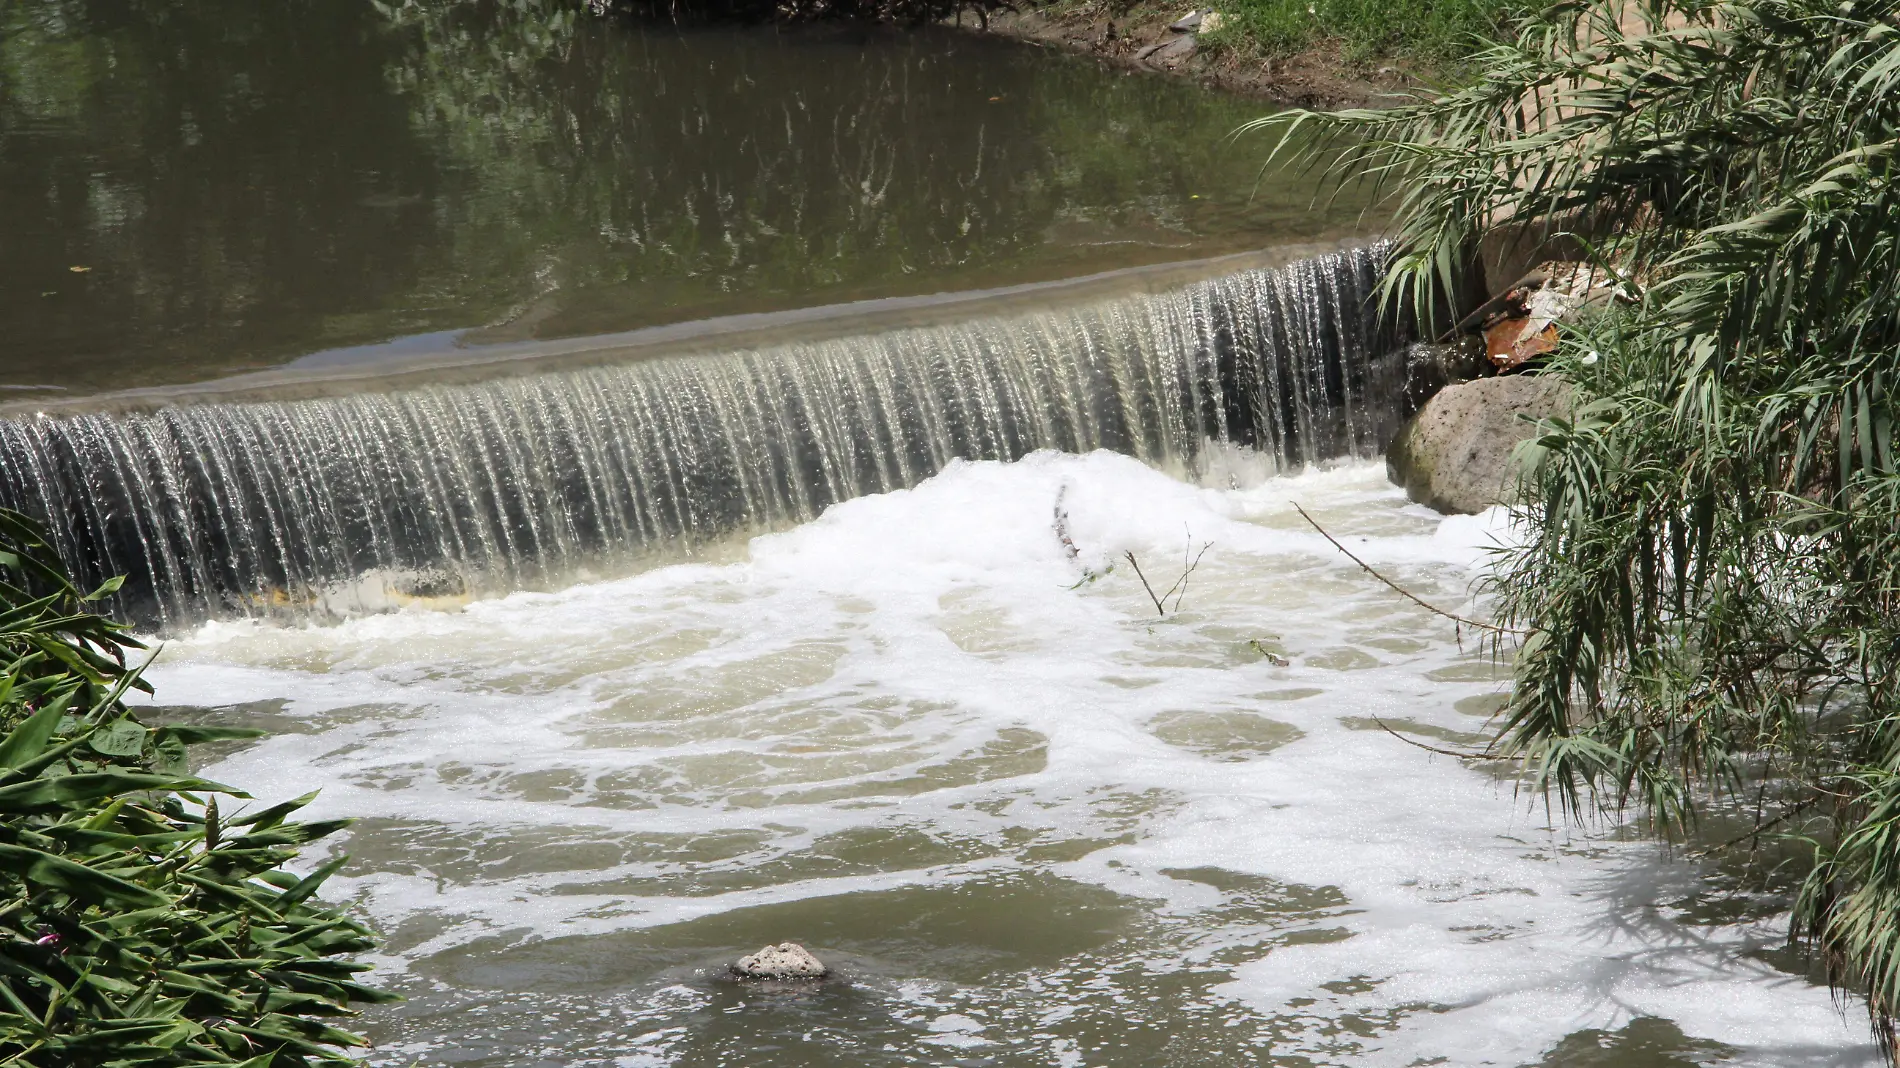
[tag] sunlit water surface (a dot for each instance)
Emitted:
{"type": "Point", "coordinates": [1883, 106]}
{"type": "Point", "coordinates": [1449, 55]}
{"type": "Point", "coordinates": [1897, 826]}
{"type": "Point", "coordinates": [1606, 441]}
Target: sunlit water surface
{"type": "Point", "coordinates": [1027, 820]}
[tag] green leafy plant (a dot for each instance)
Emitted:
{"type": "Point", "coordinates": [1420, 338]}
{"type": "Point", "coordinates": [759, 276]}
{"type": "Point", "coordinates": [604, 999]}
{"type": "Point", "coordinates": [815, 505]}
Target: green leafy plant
{"type": "Point", "coordinates": [139, 928]}
{"type": "Point", "coordinates": [1711, 584]}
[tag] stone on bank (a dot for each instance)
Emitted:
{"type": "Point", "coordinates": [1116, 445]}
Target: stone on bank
{"type": "Point", "coordinates": [1457, 454]}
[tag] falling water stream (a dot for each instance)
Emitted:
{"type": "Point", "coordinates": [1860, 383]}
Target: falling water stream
{"type": "Point", "coordinates": [616, 495]}
{"type": "Point", "coordinates": [344, 503]}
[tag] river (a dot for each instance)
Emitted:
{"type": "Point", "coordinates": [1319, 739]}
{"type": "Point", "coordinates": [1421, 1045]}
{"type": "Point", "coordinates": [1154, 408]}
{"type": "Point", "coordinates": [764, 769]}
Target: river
{"type": "Point", "coordinates": [666, 487]}
{"type": "Point", "coordinates": [228, 187]}
{"type": "Point", "coordinates": [1029, 820]}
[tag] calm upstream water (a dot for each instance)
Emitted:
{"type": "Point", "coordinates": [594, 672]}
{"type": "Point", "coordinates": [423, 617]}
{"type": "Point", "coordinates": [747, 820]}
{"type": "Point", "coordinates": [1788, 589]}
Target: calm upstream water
{"type": "Point", "coordinates": [192, 191]}
{"type": "Point", "coordinates": [628, 668]}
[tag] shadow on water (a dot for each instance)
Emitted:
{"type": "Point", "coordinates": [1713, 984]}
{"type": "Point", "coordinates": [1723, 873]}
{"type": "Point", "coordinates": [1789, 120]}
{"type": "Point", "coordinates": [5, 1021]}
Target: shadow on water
{"type": "Point", "coordinates": [1645, 1042]}
{"type": "Point", "coordinates": [1685, 922]}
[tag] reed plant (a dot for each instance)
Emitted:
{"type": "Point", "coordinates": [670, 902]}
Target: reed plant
{"type": "Point", "coordinates": [139, 928]}
{"type": "Point", "coordinates": [1710, 581]}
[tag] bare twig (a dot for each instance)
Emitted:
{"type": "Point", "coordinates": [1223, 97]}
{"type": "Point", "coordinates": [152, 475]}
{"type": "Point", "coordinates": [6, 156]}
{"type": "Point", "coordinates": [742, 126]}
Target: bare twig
{"type": "Point", "coordinates": [1753, 833]}
{"type": "Point", "coordinates": [1160, 611]}
{"type": "Point", "coordinates": [1408, 594]}
{"type": "Point", "coordinates": [1271, 657]}
{"type": "Point", "coordinates": [1485, 754]}
{"type": "Point", "coordinates": [1187, 568]}
{"type": "Point", "coordinates": [1189, 561]}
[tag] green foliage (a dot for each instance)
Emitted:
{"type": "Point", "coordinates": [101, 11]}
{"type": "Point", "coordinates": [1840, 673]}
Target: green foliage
{"type": "Point", "coordinates": [1438, 31]}
{"type": "Point", "coordinates": [1712, 581]}
{"type": "Point", "coordinates": [138, 928]}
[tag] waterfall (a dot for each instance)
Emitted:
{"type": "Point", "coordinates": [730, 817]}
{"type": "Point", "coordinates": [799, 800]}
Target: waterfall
{"type": "Point", "coordinates": [261, 506]}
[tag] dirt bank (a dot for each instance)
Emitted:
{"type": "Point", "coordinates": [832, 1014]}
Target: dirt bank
{"type": "Point", "coordinates": [1318, 77]}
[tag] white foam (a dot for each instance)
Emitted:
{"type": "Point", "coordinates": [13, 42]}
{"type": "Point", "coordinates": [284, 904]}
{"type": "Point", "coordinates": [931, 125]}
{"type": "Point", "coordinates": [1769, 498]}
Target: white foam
{"type": "Point", "coordinates": [818, 685]}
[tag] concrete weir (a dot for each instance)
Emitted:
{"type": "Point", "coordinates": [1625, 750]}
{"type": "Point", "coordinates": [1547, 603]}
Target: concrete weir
{"type": "Point", "coordinates": [491, 468]}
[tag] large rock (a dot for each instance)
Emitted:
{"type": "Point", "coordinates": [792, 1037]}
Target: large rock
{"type": "Point", "coordinates": [787, 960]}
{"type": "Point", "coordinates": [1456, 454]}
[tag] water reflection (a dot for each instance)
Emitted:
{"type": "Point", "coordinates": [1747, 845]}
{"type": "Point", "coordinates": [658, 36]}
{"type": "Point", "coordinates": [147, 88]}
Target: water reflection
{"type": "Point", "coordinates": [192, 191]}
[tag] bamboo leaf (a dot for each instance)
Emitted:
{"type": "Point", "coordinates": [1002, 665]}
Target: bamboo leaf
{"type": "Point", "coordinates": [38, 869]}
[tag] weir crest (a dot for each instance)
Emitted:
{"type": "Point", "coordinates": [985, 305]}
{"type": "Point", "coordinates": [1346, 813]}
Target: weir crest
{"type": "Point", "coordinates": [335, 503]}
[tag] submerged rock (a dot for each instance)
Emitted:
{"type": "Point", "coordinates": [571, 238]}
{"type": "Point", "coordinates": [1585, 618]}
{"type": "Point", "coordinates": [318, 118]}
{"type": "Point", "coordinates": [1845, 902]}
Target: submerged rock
{"type": "Point", "coordinates": [1456, 453]}
{"type": "Point", "coordinates": [787, 960]}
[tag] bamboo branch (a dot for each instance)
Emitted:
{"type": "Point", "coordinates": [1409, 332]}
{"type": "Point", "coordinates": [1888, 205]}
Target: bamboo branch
{"type": "Point", "coordinates": [1485, 754]}
{"type": "Point", "coordinates": [1407, 594]}
{"type": "Point", "coordinates": [1755, 832]}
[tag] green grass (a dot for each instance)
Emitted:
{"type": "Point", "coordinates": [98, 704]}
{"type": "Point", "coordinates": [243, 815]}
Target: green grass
{"type": "Point", "coordinates": [1437, 33]}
